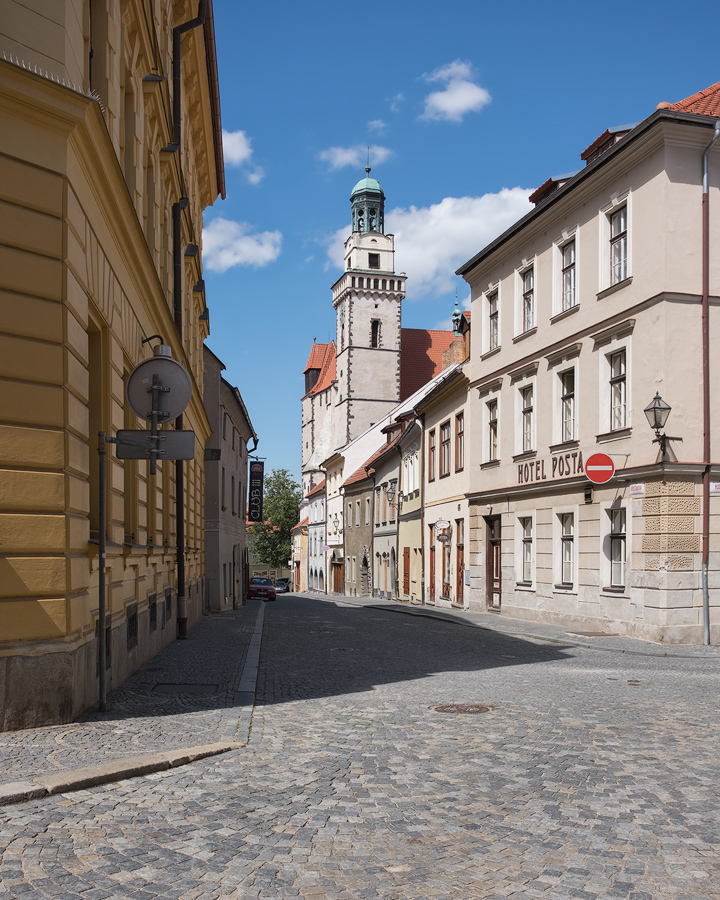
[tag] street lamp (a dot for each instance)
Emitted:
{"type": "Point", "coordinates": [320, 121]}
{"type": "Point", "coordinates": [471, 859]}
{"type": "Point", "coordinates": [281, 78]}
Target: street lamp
{"type": "Point", "coordinates": [657, 413]}
{"type": "Point", "coordinates": [336, 523]}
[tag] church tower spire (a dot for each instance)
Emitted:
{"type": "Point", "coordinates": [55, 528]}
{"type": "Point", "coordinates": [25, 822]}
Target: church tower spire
{"type": "Point", "coordinates": [368, 303]}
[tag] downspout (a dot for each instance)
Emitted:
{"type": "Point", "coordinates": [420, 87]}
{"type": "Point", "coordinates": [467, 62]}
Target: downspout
{"type": "Point", "coordinates": [178, 32]}
{"type": "Point", "coordinates": [177, 209]}
{"type": "Point", "coordinates": [706, 384]}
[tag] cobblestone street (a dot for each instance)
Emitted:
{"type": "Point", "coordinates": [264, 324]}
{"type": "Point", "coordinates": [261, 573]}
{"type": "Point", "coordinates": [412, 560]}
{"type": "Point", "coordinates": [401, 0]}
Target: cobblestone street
{"type": "Point", "coordinates": [592, 774]}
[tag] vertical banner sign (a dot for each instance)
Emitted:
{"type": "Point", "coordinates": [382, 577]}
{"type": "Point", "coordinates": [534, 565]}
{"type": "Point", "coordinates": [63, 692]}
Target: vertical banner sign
{"type": "Point", "coordinates": [255, 511]}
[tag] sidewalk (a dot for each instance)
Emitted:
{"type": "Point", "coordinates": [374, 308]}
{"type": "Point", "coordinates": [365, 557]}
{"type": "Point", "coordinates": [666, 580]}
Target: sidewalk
{"type": "Point", "coordinates": [523, 628]}
{"type": "Point", "coordinates": [194, 699]}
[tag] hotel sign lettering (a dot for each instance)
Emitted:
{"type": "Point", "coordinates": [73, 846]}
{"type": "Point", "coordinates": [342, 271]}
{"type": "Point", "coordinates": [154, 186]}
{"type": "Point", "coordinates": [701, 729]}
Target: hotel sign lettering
{"type": "Point", "coordinates": [561, 465]}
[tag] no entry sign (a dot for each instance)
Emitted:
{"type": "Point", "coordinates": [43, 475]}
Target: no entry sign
{"type": "Point", "coordinates": [599, 468]}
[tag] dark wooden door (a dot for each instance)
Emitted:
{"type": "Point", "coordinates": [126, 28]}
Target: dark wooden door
{"type": "Point", "coordinates": [459, 574]}
{"type": "Point", "coordinates": [432, 573]}
{"type": "Point", "coordinates": [494, 559]}
{"type": "Point", "coordinates": [338, 577]}
{"type": "Point", "coordinates": [406, 570]}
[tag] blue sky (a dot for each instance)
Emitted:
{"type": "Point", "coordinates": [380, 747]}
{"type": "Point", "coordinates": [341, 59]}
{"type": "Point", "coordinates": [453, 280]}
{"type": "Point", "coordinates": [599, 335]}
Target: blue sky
{"type": "Point", "coordinates": [467, 108]}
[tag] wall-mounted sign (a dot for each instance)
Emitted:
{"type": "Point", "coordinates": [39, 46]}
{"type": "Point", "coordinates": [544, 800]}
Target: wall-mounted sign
{"type": "Point", "coordinates": [599, 468]}
{"type": "Point", "coordinates": [255, 491]}
{"type": "Point", "coordinates": [442, 531]}
{"type": "Point", "coordinates": [637, 490]}
{"type": "Point", "coordinates": [561, 465]}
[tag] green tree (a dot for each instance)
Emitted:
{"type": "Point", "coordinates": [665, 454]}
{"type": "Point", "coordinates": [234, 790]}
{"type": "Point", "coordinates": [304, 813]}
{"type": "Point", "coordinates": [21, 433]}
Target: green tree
{"type": "Point", "coordinates": [280, 513]}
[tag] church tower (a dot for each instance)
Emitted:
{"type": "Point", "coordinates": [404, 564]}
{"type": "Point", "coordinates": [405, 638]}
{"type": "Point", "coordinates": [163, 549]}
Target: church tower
{"type": "Point", "coordinates": [368, 304]}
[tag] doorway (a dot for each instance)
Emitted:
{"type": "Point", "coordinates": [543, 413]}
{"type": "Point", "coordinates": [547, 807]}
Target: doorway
{"type": "Point", "coordinates": [493, 577]}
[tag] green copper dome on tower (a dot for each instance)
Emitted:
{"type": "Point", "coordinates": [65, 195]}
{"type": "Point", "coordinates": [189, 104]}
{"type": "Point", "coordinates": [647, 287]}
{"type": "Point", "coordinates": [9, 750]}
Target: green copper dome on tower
{"type": "Point", "coordinates": [367, 184]}
{"type": "Point", "coordinates": [368, 205]}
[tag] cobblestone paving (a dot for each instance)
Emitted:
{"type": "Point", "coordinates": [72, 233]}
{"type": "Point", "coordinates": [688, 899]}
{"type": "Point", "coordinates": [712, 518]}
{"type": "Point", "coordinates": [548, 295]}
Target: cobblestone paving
{"type": "Point", "coordinates": [141, 718]}
{"type": "Point", "coordinates": [593, 775]}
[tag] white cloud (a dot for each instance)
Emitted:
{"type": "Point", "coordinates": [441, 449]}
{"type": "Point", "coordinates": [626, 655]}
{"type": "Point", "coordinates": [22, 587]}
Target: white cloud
{"type": "Point", "coordinates": [237, 151]}
{"type": "Point", "coordinates": [339, 157]}
{"type": "Point", "coordinates": [227, 244]}
{"type": "Point", "coordinates": [460, 95]}
{"type": "Point", "coordinates": [377, 125]}
{"type": "Point", "coordinates": [432, 242]}
{"type": "Point", "coordinates": [395, 102]}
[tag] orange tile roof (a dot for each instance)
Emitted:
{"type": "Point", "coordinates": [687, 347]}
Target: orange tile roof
{"type": "Point", "coordinates": [705, 103]}
{"type": "Point", "coordinates": [328, 371]}
{"type": "Point", "coordinates": [316, 489]}
{"type": "Point", "coordinates": [363, 472]}
{"type": "Point", "coordinates": [301, 524]}
{"type": "Point", "coordinates": [421, 352]}
{"type": "Point", "coordinates": [317, 357]}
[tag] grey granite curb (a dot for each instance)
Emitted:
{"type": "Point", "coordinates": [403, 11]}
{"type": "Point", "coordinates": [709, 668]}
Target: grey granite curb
{"type": "Point", "coordinates": [143, 764]}
{"type": "Point", "coordinates": [104, 773]}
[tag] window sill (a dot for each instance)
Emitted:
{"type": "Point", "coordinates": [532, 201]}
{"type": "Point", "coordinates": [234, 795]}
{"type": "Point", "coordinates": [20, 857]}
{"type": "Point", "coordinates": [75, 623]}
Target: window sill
{"type": "Point", "coordinates": [527, 454]}
{"type": "Point", "coordinates": [564, 314]}
{"type": "Point", "coordinates": [613, 435]}
{"type": "Point", "coordinates": [490, 353]}
{"type": "Point", "coordinates": [525, 586]}
{"type": "Point", "coordinates": [613, 590]}
{"type": "Point", "coordinates": [490, 464]}
{"type": "Point", "coordinates": [525, 334]}
{"type": "Point", "coordinates": [566, 445]}
{"type": "Point", "coordinates": [565, 588]}
{"type": "Point", "coordinates": [445, 475]}
{"type": "Point", "coordinates": [614, 287]}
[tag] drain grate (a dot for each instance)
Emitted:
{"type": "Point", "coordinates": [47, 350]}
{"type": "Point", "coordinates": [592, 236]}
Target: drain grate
{"type": "Point", "coordinates": [467, 709]}
{"type": "Point", "coordinates": [200, 690]}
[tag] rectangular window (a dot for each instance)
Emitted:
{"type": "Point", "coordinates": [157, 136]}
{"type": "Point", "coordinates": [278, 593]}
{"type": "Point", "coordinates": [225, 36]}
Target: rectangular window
{"type": "Point", "coordinates": [618, 391]}
{"type": "Point", "coordinates": [459, 441]}
{"type": "Point", "coordinates": [444, 449]}
{"type": "Point", "coordinates": [492, 412]}
{"type": "Point", "coordinates": [567, 404]}
{"type": "Point", "coordinates": [367, 510]}
{"type": "Point", "coordinates": [527, 549]}
{"type": "Point", "coordinates": [618, 246]}
{"type": "Point", "coordinates": [431, 455]}
{"type": "Point", "coordinates": [373, 260]}
{"type": "Point", "coordinates": [567, 536]}
{"type": "Point", "coordinates": [526, 395]}
{"type": "Point", "coordinates": [353, 569]}
{"type": "Point", "coordinates": [493, 322]}
{"type": "Point", "coordinates": [569, 297]}
{"type": "Point", "coordinates": [377, 507]}
{"type": "Point", "coordinates": [528, 299]}
{"type": "Point", "coordinates": [348, 524]}
{"type": "Point", "coordinates": [222, 489]}
{"type": "Point", "coordinates": [617, 547]}
{"type": "Point", "coordinates": [357, 513]}
{"type": "Point", "coordinates": [232, 494]}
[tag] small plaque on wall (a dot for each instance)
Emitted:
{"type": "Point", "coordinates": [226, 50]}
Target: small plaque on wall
{"type": "Point", "coordinates": [637, 490]}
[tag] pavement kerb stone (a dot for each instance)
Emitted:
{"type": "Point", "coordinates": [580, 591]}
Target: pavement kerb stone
{"type": "Point", "coordinates": [105, 773]}
{"type": "Point", "coordinates": [609, 644]}
{"type": "Point", "coordinates": [144, 764]}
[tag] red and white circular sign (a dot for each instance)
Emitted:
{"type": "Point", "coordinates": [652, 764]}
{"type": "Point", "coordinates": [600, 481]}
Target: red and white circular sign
{"type": "Point", "coordinates": [599, 468]}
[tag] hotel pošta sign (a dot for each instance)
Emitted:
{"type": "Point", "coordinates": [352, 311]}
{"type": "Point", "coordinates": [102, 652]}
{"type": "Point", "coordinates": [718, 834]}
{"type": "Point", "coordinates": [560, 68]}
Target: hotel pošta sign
{"type": "Point", "coordinates": [560, 465]}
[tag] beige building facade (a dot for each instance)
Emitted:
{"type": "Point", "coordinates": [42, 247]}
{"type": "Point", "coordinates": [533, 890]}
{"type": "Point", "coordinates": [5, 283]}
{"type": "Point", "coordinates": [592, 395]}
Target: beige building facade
{"type": "Point", "coordinates": [582, 312]}
{"type": "Point", "coordinates": [97, 178]}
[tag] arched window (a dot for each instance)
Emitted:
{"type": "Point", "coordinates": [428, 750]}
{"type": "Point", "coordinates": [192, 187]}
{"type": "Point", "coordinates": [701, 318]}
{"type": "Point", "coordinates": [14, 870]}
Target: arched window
{"type": "Point", "coordinates": [353, 281]}
{"type": "Point", "coordinates": [392, 284]}
{"type": "Point", "coordinates": [383, 284]}
{"type": "Point", "coordinates": [376, 284]}
{"type": "Point", "coordinates": [322, 581]}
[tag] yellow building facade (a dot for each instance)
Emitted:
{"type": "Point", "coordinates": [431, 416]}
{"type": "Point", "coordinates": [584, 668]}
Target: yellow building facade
{"type": "Point", "coordinates": [102, 187]}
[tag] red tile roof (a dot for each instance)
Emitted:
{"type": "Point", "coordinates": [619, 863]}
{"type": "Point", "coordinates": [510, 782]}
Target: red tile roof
{"type": "Point", "coordinates": [705, 103]}
{"type": "Point", "coordinates": [421, 357]}
{"type": "Point", "coordinates": [364, 471]}
{"type": "Point", "coordinates": [317, 357]}
{"type": "Point", "coordinates": [301, 524]}
{"type": "Point", "coordinates": [329, 368]}
{"type": "Point", "coordinates": [316, 489]}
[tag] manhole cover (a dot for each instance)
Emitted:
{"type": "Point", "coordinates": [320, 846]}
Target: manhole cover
{"type": "Point", "coordinates": [201, 690]}
{"type": "Point", "coordinates": [466, 708]}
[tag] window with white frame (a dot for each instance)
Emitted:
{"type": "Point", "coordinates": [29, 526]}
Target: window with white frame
{"type": "Point", "coordinates": [527, 418]}
{"type": "Point", "coordinates": [526, 550]}
{"type": "Point", "coordinates": [615, 241]}
{"type": "Point", "coordinates": [357, 515]}
{"type": "Point", "coordinates": [566, 567]}
{"type": "Point", "coordinates": [569, 284]}
{"type": "Point", "coordinates": [491, 411]}
{"type": "Point", "coordinates": [617, 546]}
{"type": "Point", "coordinates": [618, 245]}
{"type": "Point", "coordinates": [353, 569]}
{"type": "Point", "coordinates": [367, 510]}
{"type": "Point", "coordinates": [567, 405]}
{"type": "Point", "coordinates": [493, 308]}
{"type": "Point", "coordinates": [348, 524]}
{"type": "Point", "coordinates": [618, 389]}
{"type": "Point", "coordinates": [527, 310]}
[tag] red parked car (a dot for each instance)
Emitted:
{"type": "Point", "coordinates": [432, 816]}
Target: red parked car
{"type": "Point", "coordinates": [261, 588]}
